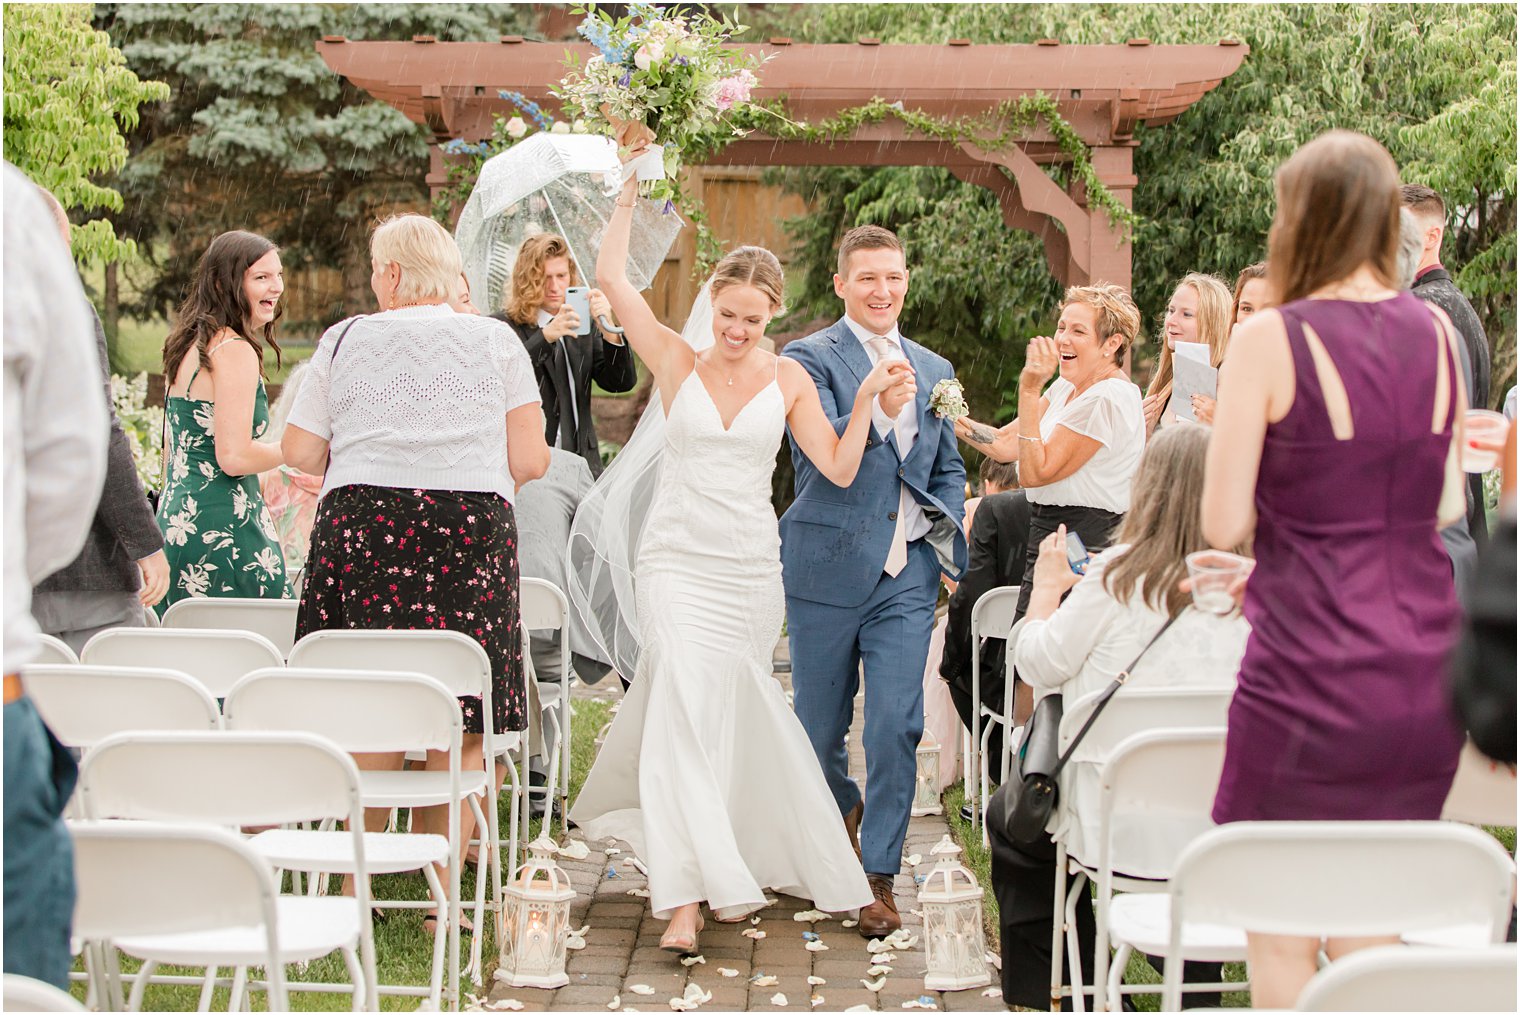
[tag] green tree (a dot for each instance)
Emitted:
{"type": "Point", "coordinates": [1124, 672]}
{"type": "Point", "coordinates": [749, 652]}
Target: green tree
{"type": "Point", "coordinates": [1435, 84]}
{"type": "Point", "coordinates": [261, 135]}
{"type": "Point", "coordinates": [68, 94]}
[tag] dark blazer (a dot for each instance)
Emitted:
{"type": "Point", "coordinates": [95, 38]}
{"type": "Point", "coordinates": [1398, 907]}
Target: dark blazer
{"type": "Point", "coordinates": [1435, 286]}
{"type": "Point", "coordinates": [124, 530]}
{"type": "Point", "coordinates": [592, 358]}
{"type": "Point", "coordinates": [999, 534]}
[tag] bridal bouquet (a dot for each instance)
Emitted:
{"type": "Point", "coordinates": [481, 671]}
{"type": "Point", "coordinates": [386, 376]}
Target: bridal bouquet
{"type": "Point", "coordinates": [668, 72]}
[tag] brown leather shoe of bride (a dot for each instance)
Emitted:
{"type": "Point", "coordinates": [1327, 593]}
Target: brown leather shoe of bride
{"type": "Point", "coordinates": [880, 918]}
{"type": "Point", "coordinates": [684, 945]}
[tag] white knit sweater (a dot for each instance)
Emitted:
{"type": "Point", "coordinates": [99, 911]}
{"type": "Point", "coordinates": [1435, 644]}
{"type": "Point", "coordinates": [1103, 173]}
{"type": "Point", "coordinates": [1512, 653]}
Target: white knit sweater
{"type": "Point", "coordinates": [417, 399]}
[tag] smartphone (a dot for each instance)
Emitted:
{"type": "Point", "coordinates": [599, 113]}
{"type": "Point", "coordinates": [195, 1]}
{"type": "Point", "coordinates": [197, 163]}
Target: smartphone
{"type": "Point", "coordinates": [578, 298]}
{"type": "Point", "coordinates": [1076, 553]}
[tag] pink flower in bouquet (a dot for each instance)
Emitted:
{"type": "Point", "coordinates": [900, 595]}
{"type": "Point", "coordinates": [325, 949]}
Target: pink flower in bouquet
{"type": "Point", "coordinates": [652, 52]}
{"type": "Point", "coordinates": [730, 91]}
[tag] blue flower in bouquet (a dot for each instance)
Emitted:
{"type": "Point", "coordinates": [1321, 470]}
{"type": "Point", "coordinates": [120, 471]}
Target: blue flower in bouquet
{"type": "Point", "coordinates": [535, 113]}
{"type": "Point", "coordinates": [599, 34]}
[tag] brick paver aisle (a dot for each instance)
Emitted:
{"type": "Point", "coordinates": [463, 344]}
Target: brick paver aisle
{"type": "Point", "coordinates": [622, 958]}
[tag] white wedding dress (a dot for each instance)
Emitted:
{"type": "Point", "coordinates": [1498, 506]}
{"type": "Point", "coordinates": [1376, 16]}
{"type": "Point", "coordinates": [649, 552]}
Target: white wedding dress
{"type": "Point", "coordinates": [706, 772]}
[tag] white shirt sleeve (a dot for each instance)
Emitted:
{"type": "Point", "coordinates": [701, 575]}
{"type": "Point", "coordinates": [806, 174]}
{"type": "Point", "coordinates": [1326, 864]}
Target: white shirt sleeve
{"type": "Point", "coordinates": [312, 411]}
{"type": "Point", "coordinates": [1050, 652]}
{"type": "Point", "coordinates": [517, 376]}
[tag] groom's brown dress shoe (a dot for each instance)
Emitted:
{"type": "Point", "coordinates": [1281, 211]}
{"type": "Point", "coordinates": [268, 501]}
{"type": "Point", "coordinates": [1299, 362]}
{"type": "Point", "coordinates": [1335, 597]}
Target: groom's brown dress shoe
{"type": "Point", "coordinates": [852, 826]}
{"type": "Point", "coordinates": [880, 918]}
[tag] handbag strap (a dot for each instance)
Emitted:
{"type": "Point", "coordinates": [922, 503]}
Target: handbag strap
{"type": "Point", "coordinates": [1108, 693]}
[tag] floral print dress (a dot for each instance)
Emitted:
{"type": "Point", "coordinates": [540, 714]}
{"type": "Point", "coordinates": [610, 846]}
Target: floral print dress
{"type": "Point", "coordinates": [218, 535]}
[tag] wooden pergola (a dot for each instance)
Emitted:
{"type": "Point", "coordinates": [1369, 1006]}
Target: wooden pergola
{"type": "Point", "coordinates": [1104, 92]}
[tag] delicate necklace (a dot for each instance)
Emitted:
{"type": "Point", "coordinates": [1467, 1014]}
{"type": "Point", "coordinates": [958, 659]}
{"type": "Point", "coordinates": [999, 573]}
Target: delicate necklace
{"type": "Point", "coordinates": [715, 370]}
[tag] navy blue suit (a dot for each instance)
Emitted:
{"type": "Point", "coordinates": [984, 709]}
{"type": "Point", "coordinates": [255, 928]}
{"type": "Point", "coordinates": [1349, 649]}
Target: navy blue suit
{"type": "Point", "coordinates": [843, 609]}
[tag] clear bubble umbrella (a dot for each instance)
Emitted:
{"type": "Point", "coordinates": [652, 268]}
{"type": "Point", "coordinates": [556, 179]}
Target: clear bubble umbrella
{"type": "Point", "coordinates": [554, 183]}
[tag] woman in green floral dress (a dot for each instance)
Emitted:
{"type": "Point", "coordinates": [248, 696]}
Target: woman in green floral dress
{"type": "Point", "coordinates": [217, 532]}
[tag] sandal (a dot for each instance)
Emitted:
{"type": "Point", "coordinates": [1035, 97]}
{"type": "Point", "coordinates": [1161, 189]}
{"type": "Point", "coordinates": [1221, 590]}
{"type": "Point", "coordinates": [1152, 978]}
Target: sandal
{"type": "Point", "coordinates": [430, 924]}
{"type": "Point", "coordinates": [685, 947]}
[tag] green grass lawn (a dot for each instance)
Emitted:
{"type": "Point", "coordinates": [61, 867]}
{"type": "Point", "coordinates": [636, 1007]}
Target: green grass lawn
{"type": "Point", "coordinates": [403, 951]}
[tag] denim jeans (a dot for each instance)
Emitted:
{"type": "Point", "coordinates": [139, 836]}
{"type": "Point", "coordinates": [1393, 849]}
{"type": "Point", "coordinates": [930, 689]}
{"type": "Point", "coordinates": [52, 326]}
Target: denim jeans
{"type": "Point", "coordinates": [39, 856]}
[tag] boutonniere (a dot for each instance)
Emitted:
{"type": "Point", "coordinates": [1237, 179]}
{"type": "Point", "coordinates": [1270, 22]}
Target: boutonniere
{"type": "Point", "coordinates": [948, 400]}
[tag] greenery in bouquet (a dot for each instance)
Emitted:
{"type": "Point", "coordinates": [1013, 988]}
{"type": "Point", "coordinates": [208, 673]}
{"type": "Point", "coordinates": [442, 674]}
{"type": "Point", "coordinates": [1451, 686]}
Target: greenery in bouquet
{"type": "Point", "coordinates": [668, 71]}
{"type": "Point", "coordinates": [143, 425]}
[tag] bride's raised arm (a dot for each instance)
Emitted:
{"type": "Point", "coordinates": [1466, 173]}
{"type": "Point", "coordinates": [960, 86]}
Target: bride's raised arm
{"type": "Point", "coordinates": [836, 455]}
{"type": "Point", "coordinates": [665, 354]}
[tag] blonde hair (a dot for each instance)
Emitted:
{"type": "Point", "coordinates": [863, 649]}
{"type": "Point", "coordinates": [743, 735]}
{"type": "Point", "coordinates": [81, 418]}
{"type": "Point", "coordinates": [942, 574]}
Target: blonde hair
{"type": "Point", "coordinates": [424, 251]}
{"type": "Point", "coordinates": [528, 275]}
{"type": "Point", "coordinates": [1114, 309]}
{"type": "Point", "coordinates": [1337, 209]}
{"type": "Point", "coordinates": [1214, 320]}
{"type": "Point", "coordinates": [752, 266]}
{"type": "Point", "coordinates": [1164, 522]}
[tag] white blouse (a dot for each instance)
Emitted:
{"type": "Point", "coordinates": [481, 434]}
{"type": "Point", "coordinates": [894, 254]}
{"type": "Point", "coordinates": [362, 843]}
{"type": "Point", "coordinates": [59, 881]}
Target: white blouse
{"type": "Point", "coordinates": [418, 399]}
{"type": "Point", "coordinates": [1079, 650]}
{"type": "Point", "coordinates": [1109, 412]}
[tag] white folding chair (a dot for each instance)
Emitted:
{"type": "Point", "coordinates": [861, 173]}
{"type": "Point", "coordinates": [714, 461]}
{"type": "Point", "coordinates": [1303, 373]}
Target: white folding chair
{"type": "Point", "coordinates": [22, 993]}
{"type": "Point", "coordinates": [275, 619]}
{"type": "Point", "coordinates": [84, 704]}
{"type": "Point", "coordinates": [239, 779]}
{"type": "Point", "coordinates": [147, 880]}
{"type": "Point", "coordinates": [218, 659]}
{"type": "Point", "coordinates": [54, 652]}
{"type": "Point", "coordinates": [1483, 792]}
{"type": "Point", "coordinates": [368, 713]}
{"type": "Point", "coordinates": [150, 617]}
{"type": "Point", "coordinates": [545, 608]}
{"type": "Point", "coordinates": [991, 617]}
{"type": "Point", "coordinates": [1396, 978]}
{"type": "Point", "coordinates": [1134, 710]}
{"type": "Point", "coordinates": [1336, 879]}
{"type": "Point", "coordinates": [459, 663]}
{"type": "Point", "coordinates": [1158, 791]}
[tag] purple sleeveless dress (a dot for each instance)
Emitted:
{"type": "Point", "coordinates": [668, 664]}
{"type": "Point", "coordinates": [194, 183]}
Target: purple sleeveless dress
{"type": "Point", "coordinates": [1340, 712]}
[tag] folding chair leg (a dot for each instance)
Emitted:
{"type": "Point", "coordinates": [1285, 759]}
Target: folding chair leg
{"type": "Point", "coordinates": [1057, 928]}
{"type": "Point", "coordinates": [1115, 995]}
{"type": "Point", "coordinates": [1074, 945]}
{"type": "Point", "coordinates": [972, 780]}
{"type": "Point", "coordinates": [435, 980]}
{"type": "Point", "coordinates": [238, 999]}
{"type": "Point", "coordinates": [140, 986]}
{"type": "Point", "coordinates": [568, 711]}
{"type": "Point", "coordinates": [482, 870]}
{"type": "Point", "coordinates": [208, 987]}
{"type": "Point", "coordinates": [356, 974]}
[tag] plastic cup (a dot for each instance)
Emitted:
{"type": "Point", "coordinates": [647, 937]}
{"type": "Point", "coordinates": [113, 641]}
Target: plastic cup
{"type": "Point", "coordinates": [1488, 426]}
{"type": "Point", "coordinates": [1212, 573]}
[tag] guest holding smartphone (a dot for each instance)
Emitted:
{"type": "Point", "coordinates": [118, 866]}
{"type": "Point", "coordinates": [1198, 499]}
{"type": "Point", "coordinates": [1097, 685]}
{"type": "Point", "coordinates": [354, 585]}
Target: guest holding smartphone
{"type": "Point", "coordinates": [568, 352]}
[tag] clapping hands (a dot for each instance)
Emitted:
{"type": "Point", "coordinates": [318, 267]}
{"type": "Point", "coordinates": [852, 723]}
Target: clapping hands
{"type": "Point", "coordinates": [1041, 362]}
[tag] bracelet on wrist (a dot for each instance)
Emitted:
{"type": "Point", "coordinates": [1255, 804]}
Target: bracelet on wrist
{"type": "Point", "coordinates": [1032, 440]}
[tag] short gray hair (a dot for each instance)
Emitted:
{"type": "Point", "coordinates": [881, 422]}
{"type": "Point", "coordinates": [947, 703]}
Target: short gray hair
{"type": "Point", "coordinates": [1411, 246]}
{"type": "Point", "coordinates": [426, 253]}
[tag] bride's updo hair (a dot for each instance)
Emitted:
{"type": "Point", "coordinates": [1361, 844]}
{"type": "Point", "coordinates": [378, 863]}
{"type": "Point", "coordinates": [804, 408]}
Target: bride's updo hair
{"type": "Point", "coordinates": [754, 266]}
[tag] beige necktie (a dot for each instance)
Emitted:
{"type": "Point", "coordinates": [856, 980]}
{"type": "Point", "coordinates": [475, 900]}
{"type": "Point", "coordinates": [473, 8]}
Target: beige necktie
{"type": "Point", "coordinates": [897, 556]}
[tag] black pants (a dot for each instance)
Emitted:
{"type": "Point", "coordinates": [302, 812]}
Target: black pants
{"type": "Point", "coordinates": [1024, 881]}
{"type": "Point", "coordinates": [1095, 526]}
{"type": "Point", "coordinates": [961, 696]}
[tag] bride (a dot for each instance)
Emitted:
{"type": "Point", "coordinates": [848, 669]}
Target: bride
{"type": "Point", "coordinates": [706, 771]}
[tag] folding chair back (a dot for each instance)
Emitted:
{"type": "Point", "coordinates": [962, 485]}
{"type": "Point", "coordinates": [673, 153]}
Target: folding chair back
{"type": "Point", "coordinates": [135, 878]}
{"type": "Point", "coordinates": [543, 607]}
{"type": "Point", "coordinates": [991, 617]}
{"type": "Point", "coordinates": [228, 778]}
{"type": "Point", "coordinates": [150, 617]}
{"type": "Point", "coordinates": [1157, 796]}
{"type": "Point", "coordinates": [1339, 879]}
{"type": "Point", "coordinates": [1483, 793]}
{"type": "Point", "coordinates": [358, 711]}
{"type": "Point", "coordinates": [22, 993]}
{"type": "Point", "coordinates": [275, 619]}
{"type": "Point", "coordinates": [218, 659]}
{"type": "Point", "coordinates": [1396, 978]}
{"type": "Point", "coordinates": [55, 652]}
{"type": "Point", "coordinates": [85, 704]}
{"type": "Point", "coordinates": [452, 658]}
{"type": "Point", "coordinates": [1136, 710]}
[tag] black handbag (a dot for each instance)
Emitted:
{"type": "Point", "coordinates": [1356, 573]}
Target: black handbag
{"type": "Point", "coordinates": [1038, 788]}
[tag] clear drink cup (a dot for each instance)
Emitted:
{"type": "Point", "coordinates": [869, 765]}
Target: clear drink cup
{"type": "Point", "coordinates": [1213, 572]}
{"type": "Point", "coordinates": [1488, 426]}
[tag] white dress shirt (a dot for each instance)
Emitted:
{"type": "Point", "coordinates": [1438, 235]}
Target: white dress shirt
{"type": "Point", "coordinates": [916, 523]}
{"type": "Point", "coordinates": [55, 423]}
{"type": "Point", "coordinates": [544, 318]}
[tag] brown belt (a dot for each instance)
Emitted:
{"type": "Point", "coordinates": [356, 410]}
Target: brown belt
{"type": "Point", "coordinates": [13, 689]}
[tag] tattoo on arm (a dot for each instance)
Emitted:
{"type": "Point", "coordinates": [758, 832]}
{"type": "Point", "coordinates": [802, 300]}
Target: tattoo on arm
{"type": "Point", "coordinates": [981, 434]}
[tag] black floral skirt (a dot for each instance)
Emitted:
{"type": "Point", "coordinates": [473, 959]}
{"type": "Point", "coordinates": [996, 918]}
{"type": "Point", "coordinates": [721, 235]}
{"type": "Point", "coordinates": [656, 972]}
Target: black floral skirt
{"type": "Point", "coordinates": [430, 560]}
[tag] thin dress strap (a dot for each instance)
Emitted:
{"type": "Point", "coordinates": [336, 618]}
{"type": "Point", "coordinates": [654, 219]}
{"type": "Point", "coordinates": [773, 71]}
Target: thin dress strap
{"type": "Point", "coordinates": [201, 362]}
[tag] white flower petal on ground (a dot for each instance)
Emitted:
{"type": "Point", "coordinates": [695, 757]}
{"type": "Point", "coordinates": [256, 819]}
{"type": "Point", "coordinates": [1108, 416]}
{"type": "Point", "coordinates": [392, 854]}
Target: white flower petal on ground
{"type": "Point", "coordinates": [617, 999]}
{"type": "Point", "coordinates": [575, 849]}
{"type": "Point", "coordinates": [725, 971]}
{"type": "Point", "coordinates": [692, 960]}
{"type": "Point", "coordinates": [811, 916]}
{"type": "Point", "coordinates": [849, 923]}
{"type": "Point", "coordinates": [642, 893]}
{"type": "Point", "coordinates": [641, 989]}
{"type": "Point", "coordinates": [816, 946]}
{"type": "Point", "coordinates": [914, 860]}
{"type": "Point", "coordinates": [506, 1004]}
{"type": "Point", "coordinates": [993, 992]}
{"type": "Point", "coordinates": [816, 981]}
{"type": "Point", "coordinates": [779, 1000]}
{"type": "Point", "coordinates": [874, 986]}
{"type": "Point", "coordinates": [881, 959]}
{"type": "Point", "coordinates": [815, 1000]}
{"type": "Point", "coordinates": [994, 959]}
{"type": "Point", "coordinates": [860, 1007]}
{"type": "Point", "coordinates": [694, 998]}
{"type": "Point", "coordinates": [764, 981]}
{"type": "Point", "coordinates": [758, 935]}
{"type": "Point", "coordinates": [612, 851]}
{"type": "Point", "coordinates": [754, 921]}
{"type": "Point", "coordinates": [925, 1002]}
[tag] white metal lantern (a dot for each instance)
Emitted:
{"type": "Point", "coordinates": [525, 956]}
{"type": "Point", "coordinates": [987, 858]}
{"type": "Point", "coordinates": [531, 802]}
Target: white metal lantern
{"type": "Point", "coordinates": [926, 788]}
{"type": "Point", "coordinates": [535, 921]}
{"type": "Point", "coordinates": [951, 901]}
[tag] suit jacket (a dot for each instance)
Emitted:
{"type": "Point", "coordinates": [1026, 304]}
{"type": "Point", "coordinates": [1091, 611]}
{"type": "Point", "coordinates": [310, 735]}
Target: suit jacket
{"type": "Point", "coordinates": [1435, 286]}
{"type": "Point", "coordinates": [591, 358]}
{"type": "Point", "coordinates": [999, 537]}
{"type": "Point", "coordinates": [834, 540]}
{"type": "Point", "coordinates": [124, 530]}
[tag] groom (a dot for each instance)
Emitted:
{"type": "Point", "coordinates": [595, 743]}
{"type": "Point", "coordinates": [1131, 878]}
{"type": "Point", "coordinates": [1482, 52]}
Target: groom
{"type": "Point", "coordinates": [861, 565]}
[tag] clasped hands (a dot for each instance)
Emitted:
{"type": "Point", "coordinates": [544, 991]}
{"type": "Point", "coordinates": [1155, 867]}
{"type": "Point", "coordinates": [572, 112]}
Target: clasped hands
{"type": "Point", "coordinates": [892, 382]}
